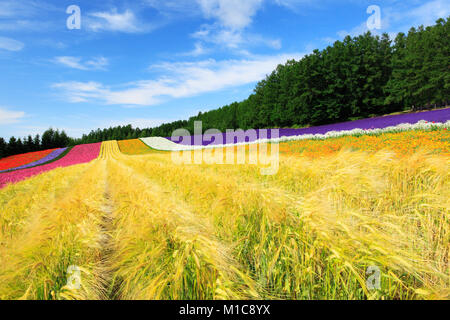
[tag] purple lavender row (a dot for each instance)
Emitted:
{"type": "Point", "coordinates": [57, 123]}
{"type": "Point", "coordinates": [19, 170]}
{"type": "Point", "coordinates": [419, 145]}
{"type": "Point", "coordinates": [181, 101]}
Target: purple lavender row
{"type": "Point", "coordinates": [371, 123]}
{"type": "Point", "coordinates": [55, 154]}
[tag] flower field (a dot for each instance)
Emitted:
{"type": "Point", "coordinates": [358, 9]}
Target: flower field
{"type": "Point", "coordinates": [276, 136]}
{"type": "Point", "coordinates": [133, 147]}
{"type": "Point", "coordinates": [403, 143]}
{"type": "Point", "coordinates": [50, 157]}
{"type": "Point", "coordinates": [408, 121]}
{"type": "Point", "coordinates": [79, 154]}
{"type": "Point", "coordinates": [162, 144]}
{"type": "Point", "coordinates": [141, 227]}
{"type": "Point", "coordinates": [22, 159]}
{"type": "Point", "coordinates": [206, 158]}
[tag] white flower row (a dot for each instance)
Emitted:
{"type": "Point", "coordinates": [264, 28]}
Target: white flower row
{"type": "Point", "coordinates": [164, 144]}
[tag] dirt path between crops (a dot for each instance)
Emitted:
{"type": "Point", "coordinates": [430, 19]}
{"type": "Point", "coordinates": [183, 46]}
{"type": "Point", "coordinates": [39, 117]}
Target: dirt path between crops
{"type": "Point", "coordinates": [109, 287]}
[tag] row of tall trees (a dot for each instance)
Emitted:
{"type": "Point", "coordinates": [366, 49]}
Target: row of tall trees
{"type": "Point", "coordinates": [128, 132]}
{"type": "Point", "coordinates": [354, 78]}
{"type": "Point", "coordinates": [112, 133]}
{"type": "Point", "coordinates": [50, 139]}
{"type": "Point", "coordinates": [421, 67]}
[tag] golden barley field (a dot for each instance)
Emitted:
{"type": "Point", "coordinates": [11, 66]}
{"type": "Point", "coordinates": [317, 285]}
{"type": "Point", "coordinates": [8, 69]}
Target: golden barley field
{"type": "Point", "coordinates": [141, 227]}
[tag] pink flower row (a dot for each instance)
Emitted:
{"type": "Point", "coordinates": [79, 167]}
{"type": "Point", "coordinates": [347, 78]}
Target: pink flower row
{"type": "Point", "coordinates": [79, 154]}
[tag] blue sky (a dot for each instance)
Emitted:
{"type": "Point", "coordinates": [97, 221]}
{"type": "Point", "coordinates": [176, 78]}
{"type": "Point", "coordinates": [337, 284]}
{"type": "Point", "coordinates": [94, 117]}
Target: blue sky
{"type": "Point", "coordinates": [146, 62]}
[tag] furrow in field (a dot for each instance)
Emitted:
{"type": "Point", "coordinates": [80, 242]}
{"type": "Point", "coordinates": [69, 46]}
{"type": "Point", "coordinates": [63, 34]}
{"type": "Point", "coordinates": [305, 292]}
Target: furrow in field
{"type": "Point", "coordinates": [106, 242]}
{"type": "Point", "coordinates": [247, 215]}
{"type": "Point", "coordinates": [163, 250]}
{"type": "Point", "coordinates": [143, 227]}
{"type": "Point", "coordinates": [109, 150]}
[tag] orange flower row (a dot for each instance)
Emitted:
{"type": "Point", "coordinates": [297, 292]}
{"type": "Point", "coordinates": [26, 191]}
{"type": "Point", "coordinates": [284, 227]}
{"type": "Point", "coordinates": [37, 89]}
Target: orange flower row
{"type": "Point", "coordinates": [133, 147]}
{"type": "Point", "coordinates": [403, 143]}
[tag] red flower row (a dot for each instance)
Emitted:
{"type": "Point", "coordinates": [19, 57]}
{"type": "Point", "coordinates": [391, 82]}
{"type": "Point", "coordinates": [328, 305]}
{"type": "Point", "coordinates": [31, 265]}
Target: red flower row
{"type": "Point", "coordinates": [22, 159]}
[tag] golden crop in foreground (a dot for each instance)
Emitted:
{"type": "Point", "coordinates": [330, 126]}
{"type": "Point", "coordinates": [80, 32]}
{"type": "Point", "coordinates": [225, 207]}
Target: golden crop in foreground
{"type": "Point", "coordinates": [140, 227]}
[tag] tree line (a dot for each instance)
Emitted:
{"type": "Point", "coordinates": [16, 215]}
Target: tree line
{"type": "Point", "coordinates": [113, 133]}
{"type": "Point", "coordinates": [357, 77]}
{"type": "Point", "coordinates": [50, 139]}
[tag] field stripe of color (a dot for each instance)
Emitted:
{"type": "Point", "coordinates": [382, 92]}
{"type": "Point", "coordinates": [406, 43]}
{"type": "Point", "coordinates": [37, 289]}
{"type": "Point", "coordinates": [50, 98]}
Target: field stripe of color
{"type": "Point", "coordinates": [22, 159]}
{"type": "Point", "coordinates": [79, 154]}
{"type": "Point", "coordinates": [52, 156]}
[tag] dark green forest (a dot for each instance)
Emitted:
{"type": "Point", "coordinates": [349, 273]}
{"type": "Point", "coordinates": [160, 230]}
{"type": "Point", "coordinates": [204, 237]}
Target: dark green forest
{"type": "Point", "coordinates": [50, 139]}
{"type": "Point", "coordinates": [357, 77]}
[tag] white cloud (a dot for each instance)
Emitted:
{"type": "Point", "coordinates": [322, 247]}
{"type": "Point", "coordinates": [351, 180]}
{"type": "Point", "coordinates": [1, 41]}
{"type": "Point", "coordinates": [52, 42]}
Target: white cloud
{"type": "Point", "coordinates": [10, 44]}
{"type": "Point", "coordinates": [356, 31]}
{"type": "Point", "coordinates": [233, 39]}
{"type": "Point", "coordinates": [217, 35]}
{"type": "Point", "coordinates": [99, 63]}
{"type": "Point", "coordinates": [198, 50]}
{"type": "Point", "coordinates": [9, 117]}
{"type": "Point", "coordinates": [233, 14]}
{"type": "Point", "coordinates": [230, 12]}
{"type": "Point", "coordinates": [403, 16]}
{"type": "Point", "coordinates": [425, 14]}
{"type": "Point", "coordinates": [81, 91]}
{"type": "Point", "coordinates": [72, 62]}
{"type": "Point", "coordinates": [182, 79]}
{"type": "Point", "coordinates": [167, 7]}
{"type": "Point", "coordinates": [292, 4]}
{"type": "Point", "coordinates": [26, 15]}
{"type": "Point", "coordinates": [14, 8]}
{"type": "Point", "coordinates": [256, 39]}
{"type": "Point", "coordinates": [13, 25]}
{"type": "Point", "coordinates": [231, 19]}
{"type": "Point", "coordinates": [114, 21]}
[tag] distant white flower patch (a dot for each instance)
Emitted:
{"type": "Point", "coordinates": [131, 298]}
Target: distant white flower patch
{"type": "Point", "coordinates": [164, 144]}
